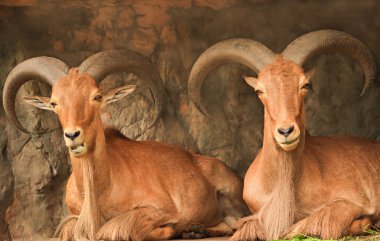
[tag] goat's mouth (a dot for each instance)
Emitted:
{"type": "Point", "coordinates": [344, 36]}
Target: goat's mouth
{"type": "Point", "coordinates": [77, 149]}
{"type": "Point", "coordinates": [289, 145]}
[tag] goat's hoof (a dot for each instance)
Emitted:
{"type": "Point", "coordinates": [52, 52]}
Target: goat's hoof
{"type": "Point", "coordinates": [196, 231]}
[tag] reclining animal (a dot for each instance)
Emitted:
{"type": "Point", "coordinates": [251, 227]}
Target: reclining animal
{"type": "Point", "coordinates": [298, 184]}
{"type": "Point", "coordinates": [122, 189]}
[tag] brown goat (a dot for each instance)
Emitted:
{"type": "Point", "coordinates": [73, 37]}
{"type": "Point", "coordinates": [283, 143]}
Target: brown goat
{"type": "Point", "coordinates": [122, 189]}
{"type": "Point", "coordinates": [298, 184]}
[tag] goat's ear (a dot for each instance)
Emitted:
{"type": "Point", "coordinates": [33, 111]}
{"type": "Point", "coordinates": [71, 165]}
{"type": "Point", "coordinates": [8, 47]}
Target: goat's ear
{"type": "Point", "coordinates": [39, 102]}
{"type": "Point", "coordinates": [252, 81]}
{"type": "Point", "coordinates": [118, 93]}
{"type": "Point", "coordinates": [309, 74]}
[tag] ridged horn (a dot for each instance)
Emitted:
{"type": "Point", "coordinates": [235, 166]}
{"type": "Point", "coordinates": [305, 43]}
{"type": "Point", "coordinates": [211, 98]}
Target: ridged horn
{"type": "Point", "coordinates": [47, 69]}
{"type": "Point", "coordinates": [107, 62]}
{"type": "Point", "coordinates": [246, 52]}
{"type": "Point", "coordinates": [325, 41]}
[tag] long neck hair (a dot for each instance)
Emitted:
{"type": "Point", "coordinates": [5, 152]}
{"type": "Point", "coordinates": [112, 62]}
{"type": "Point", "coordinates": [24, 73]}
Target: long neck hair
{"type": "Point", "coordinates": [278, 214]}
{"type": "Point", "coordinates": [89, 218]}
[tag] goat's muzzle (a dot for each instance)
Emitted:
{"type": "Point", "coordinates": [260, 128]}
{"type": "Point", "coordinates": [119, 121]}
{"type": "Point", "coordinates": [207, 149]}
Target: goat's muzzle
{"type": "Point", "coordinates": [74, 139]}
{"type": "Point", "coordinates": [287, 137]}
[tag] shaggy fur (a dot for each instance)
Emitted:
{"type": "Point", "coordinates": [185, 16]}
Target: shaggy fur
{"type": "Point", "coordinates": [65, 230]}
{"type": "Point", "coordinates": [249, 228]}
{"type": "Point", "coordinates": [84, 226]}
{"type": "Point", "coordinates": [330, 222]}
{"type": "Point", "coordinates": [278, 213]}
{"type": "Point", "coordinates": [133, 225]}
{"type": "Point", "coordinates": [89, 218]}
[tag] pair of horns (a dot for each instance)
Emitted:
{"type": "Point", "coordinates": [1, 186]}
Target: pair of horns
{"type": "Point", "coordinates": [255, 56]}
{"type": "Point", "coordinates": [98, 66]}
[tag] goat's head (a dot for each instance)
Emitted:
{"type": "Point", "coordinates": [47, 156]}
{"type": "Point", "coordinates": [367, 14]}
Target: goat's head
{"type": "Point", "coordinates": [281, 87]}
{"type": "Point", "coordinates": [76, 97]}
{"type": "Point", "coordinates": [281, 84]}
{"type": "Point", "coordinates": [77, 100]}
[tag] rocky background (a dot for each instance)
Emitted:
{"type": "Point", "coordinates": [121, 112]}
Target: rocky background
{"type": "Point", "coordinates": [172, 34]}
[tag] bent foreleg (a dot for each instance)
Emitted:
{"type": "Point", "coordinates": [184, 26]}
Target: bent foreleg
{"type": "Point", "coordinates": [249, 229]}
{"type": "Point", "coordinates": [65, 230]}
{"type": "Point", "coordinates": [137, 224]}
{"type": "Point", "coordinates": [330, 222]}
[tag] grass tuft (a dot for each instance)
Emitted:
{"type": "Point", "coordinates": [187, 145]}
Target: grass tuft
{"type": "Point", "coordinates": [373, 235]}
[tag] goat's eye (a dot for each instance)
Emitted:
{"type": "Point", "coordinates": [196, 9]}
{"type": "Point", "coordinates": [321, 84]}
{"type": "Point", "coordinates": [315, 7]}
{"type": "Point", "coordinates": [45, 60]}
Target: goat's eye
{"type": "Point", "coordinates": [307, 86]}
{"type": "Point", "coordinates": [259, 92]}
{"type": "Point", "coordinates": [53, 104]}
{"type": "Point", "coordinates": [98, 98]}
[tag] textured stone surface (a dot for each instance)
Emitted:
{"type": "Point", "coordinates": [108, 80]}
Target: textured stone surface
{"type": "Point", "coordinates": [172, 34]}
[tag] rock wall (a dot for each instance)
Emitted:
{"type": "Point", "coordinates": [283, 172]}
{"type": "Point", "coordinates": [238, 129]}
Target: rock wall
{"type": "Point", "coordinates": [172, 34]}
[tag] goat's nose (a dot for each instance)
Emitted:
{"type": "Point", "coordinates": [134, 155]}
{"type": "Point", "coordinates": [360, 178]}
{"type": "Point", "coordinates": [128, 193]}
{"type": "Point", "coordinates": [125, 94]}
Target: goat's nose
{"type": "Point", "coordinates": [285, 132]}
{"type": "Point", "coordinates": [72, 135]}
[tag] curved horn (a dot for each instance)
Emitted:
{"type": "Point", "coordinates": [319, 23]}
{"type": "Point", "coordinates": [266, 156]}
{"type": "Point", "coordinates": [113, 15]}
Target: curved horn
{"type": "Point", "coordinates": [47, 69]}
{"type": "Point", "coordinates": [324, 41]}
{"type": "Point", "coordinates": [104, 63]}
{"type": "Point", "coordinates": [247, 52]}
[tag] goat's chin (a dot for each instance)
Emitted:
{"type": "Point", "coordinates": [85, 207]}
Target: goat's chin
{"type": "Point", "coordinates": [289, 145]}
{"type": "Point", "coordinates": [78, 150]}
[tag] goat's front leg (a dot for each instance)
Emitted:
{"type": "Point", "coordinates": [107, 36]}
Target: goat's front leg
{"type": "Point", "coordinates": [74, 201]}
{"type": "Point", "coordinates": [332, 221]}
{"type": "Point", "coordinates": [248, 229]}
{"type": "Point", "coordinates": [65, 230]}
{"type": "Point", "coordinates": [137, 224]}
